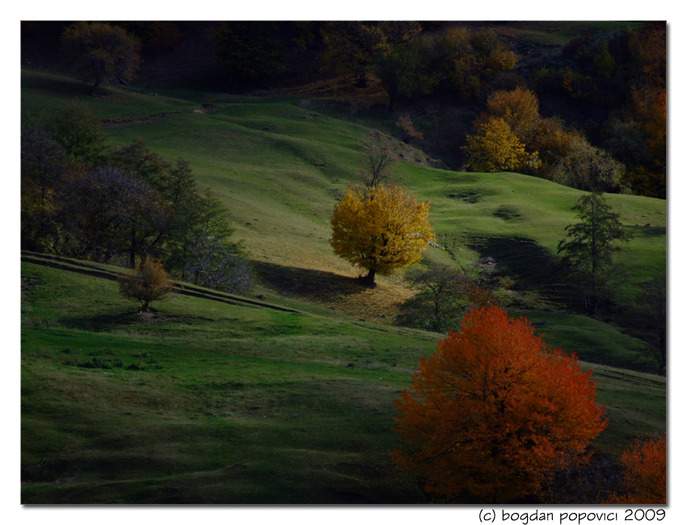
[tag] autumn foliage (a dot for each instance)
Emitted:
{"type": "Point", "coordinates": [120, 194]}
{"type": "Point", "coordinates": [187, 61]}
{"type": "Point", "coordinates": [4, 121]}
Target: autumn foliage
{"type": "Point", "coordinates": [149, 283]}
{"type": "Point", "coordinates": [495, 147]}
{"type": "Point", "coordinates": [644, 477]}
{"type": "Point", "coordinates": [519, 108]}
{"type": "Point", "coordinates": [381, 229]}
{"type": "Point", "coordinates": [495, 411]}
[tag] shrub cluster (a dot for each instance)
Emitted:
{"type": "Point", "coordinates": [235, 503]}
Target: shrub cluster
{"type": "Point", "coordinates": [83, 200]}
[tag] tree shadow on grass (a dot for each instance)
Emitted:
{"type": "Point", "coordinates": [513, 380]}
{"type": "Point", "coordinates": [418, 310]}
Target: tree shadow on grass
{"type": "Point", "coordinates": [103, 322]}
{"type": "Point", "coordinates": [534, 267]}
{"type": "Point", "coordinates": [308, 284]}
{"type": "Point", "coordinates": [646, 231]}
{"type": "Point", "coordinates": [127, 318]}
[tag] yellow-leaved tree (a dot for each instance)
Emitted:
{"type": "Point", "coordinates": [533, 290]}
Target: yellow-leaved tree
{"type": "Point", "coordinates": [519, 108]}
{"type": "Point", "coordinates": [495, 147]}
{"type": "Point", "coordinates": [380, 229]}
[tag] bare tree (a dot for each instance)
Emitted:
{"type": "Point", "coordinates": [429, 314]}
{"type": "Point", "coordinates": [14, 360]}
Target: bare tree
{"type": "Point", "coordinates": [219, 264]}
{"type": "Point", "coordinates": [379, 156]}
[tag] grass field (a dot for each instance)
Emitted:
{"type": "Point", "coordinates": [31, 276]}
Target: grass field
{"type": "Point", "coordinates": [208, 402]}
{"type": "Point", "coordinates": [286, 396]}
{"type": "Point", "coordinates": [279, 166]}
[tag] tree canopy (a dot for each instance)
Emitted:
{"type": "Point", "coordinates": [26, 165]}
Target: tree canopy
{"type": "Point", "coordinates": [644, 473]}
{"type": "Point", "coordinates": [590, 245]}
{"type": "Point", "coordinates": [351, 47]}
{"type": "Point", "coordinates": [495, 147]}
{"type": "Point", "coordinates": [445, 293]}
{"type": "Point", "coordinates": [494, 411]}
{"type": "Point", "coordinates": [97, 51]}
{"type": "Point", "coordinates": [380, 230]}
{"type": "Point", "coordinates": [148, 284]}
{"type": "Point", "coordinates": [80, 199]}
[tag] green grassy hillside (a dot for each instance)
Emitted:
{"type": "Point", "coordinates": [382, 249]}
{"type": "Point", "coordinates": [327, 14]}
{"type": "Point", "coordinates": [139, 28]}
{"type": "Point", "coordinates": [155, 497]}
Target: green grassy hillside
{"type": "Point", "coordinates": [287, 396]}
{"type": "Point", "coordinates": [280, 165]}
{"type": "Point", "coordinates": [209, 402]}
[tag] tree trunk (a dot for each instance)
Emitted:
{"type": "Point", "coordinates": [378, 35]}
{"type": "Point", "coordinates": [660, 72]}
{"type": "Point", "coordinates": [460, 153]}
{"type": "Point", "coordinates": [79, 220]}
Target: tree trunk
{"type": "Point", "coordinates": [132, 248]}
{"type": "Point", "coordinates": [94, 87]}
{"type": "Point", "coordinates": [369, 279]}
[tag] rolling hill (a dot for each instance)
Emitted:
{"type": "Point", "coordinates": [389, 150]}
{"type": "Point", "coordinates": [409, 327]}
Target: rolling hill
{"type": "Point", "coordinates": [214, 399]}
{"type": "Point", "coordinates": [286, 396]}
{"type": "Point", "coordinates": [280, 165]}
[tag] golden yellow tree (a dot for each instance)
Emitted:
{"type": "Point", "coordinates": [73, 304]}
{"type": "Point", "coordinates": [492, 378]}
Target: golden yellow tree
{"type": "Point", "coordinates": [495, 147]}
{"type": "Point", "coordinates": [519, 108]}
{"type": "Point", "coordinates": [380, 229]}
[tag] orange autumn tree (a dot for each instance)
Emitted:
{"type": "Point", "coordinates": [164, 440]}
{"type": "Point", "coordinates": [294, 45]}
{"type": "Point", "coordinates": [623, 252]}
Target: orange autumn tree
{"type": "Point", "coordinates": [495, 411]}
{"type": "Point", "coordinates": [644, 477]}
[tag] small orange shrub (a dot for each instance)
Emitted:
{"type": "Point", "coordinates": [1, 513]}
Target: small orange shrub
{"type": "Point", "coordinates": [407, 129]}
{"type": "Point", "coordinates": [149, 283]}
{"type": "Point", "coordinates": [644, 479]}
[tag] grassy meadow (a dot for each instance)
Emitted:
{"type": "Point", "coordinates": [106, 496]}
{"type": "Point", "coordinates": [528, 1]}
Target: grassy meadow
{"type": "Point", "coordinates": [207, 402]}
{"type": "Point", "coordinates": [286, 396]}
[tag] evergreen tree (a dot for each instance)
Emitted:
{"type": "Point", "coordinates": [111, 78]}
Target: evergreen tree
{"type": "Point", "coordinates": [590, 245]}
